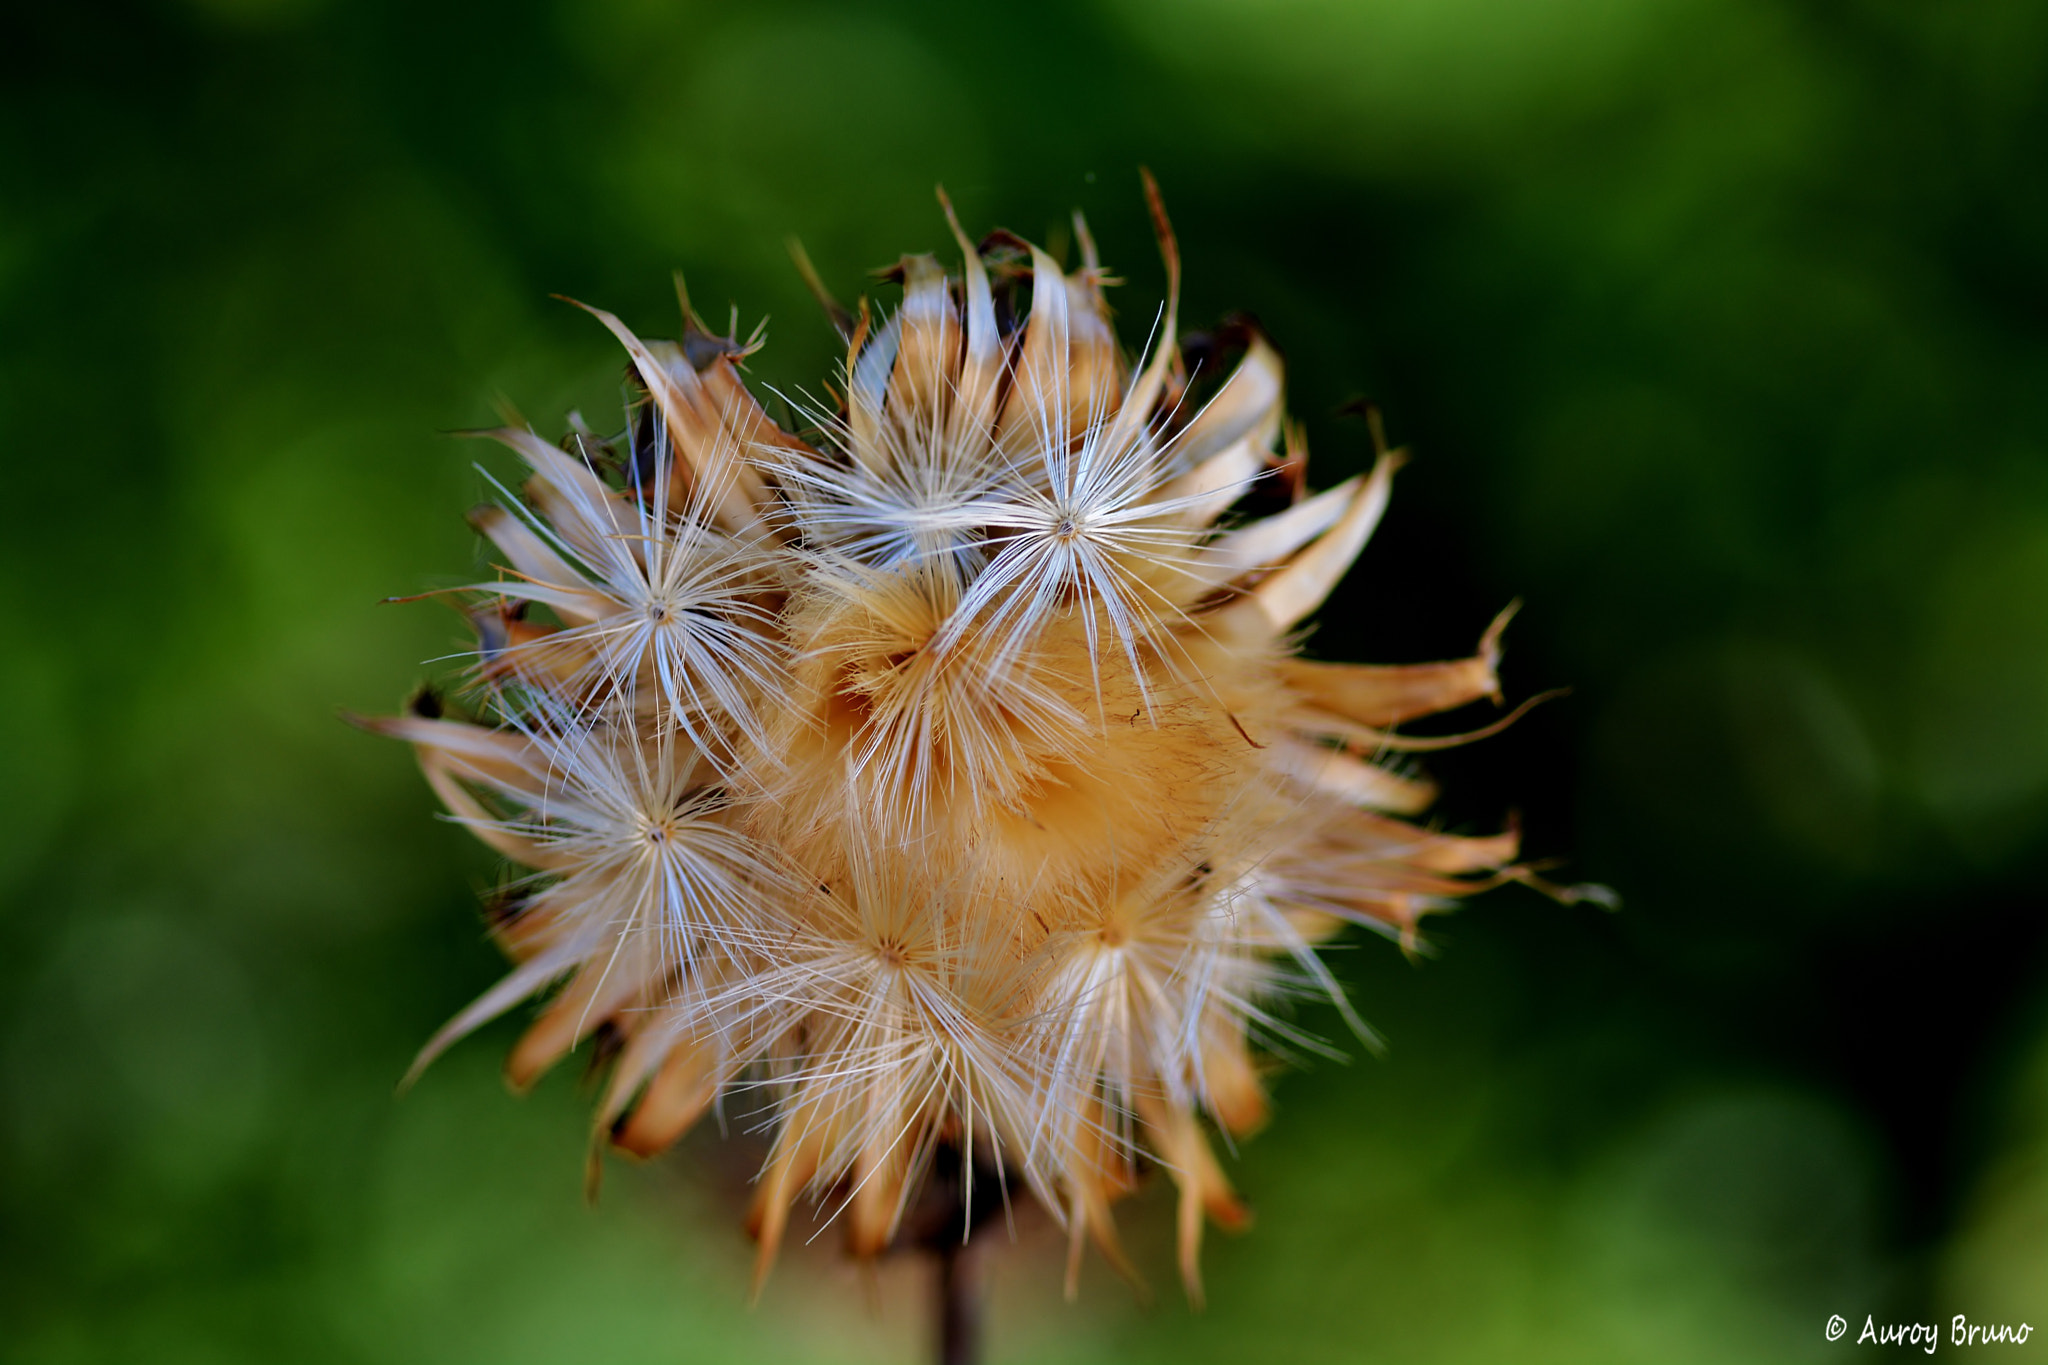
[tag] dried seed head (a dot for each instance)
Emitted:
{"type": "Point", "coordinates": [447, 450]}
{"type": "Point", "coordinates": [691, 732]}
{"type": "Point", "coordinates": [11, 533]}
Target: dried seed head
{"type": "Point", "coordinates": [945, 775]}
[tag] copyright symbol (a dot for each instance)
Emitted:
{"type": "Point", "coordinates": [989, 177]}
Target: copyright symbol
{"type": "Point", "coordinates": [1836, 1326]}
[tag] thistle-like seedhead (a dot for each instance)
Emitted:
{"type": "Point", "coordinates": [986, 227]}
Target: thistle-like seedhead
{"type": "Point", "coordinates": [943, 773]}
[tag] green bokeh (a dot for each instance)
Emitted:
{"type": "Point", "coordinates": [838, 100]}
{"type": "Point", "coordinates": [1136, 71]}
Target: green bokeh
{"type": "Point", "coordinates": [1719, 329]}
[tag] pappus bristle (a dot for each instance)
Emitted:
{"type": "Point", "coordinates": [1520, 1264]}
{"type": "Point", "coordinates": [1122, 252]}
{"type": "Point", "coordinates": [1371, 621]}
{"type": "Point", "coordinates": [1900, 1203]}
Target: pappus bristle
{"type": "Point", "coordinates": [657, 606]}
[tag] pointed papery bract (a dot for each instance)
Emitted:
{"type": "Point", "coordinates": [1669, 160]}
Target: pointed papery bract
{"type": "Point", "coordinates": [941, 777]}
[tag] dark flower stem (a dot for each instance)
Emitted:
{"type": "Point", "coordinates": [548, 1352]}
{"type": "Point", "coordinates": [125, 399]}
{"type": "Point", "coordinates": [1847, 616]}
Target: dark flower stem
{"type": "Point", "coordinates": [957, 1291]}
{"type": "Point", "coordinates": [948, 1225]}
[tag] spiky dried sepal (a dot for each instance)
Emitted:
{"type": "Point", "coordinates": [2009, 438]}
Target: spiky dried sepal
{"type": "Point", "coordinates": [948, 776]}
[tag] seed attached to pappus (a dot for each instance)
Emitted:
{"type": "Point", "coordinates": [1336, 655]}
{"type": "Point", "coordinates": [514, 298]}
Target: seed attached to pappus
{"type": "Point", "coordinates": [942, 776]}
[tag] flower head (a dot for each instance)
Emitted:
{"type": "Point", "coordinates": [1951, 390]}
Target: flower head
{"type": "Point", "coordinates": [943, 773]}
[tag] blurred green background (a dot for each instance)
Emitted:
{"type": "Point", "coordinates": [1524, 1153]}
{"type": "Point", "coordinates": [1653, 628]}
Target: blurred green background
{"type": "Point", "coordinates": [1719, 329]}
